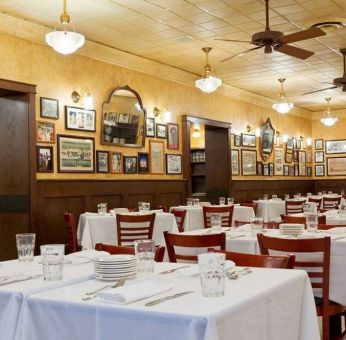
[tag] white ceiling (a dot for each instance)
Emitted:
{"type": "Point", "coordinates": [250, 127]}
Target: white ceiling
{"type": "Point", "coordinates": [150, 29]}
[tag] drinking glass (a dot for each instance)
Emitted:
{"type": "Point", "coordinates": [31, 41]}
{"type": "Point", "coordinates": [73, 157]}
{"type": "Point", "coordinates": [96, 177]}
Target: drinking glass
{"type": "Point", "coordinates": [287, 197]}
{"type": "Point", "coordinates": [102, 209]}
{"type": "Point", "coordinates": [230, 200]}
{"type": "Point", "coordinates": [274, 197]}
{"type": "Point", "coordinates": [189, 202]}
{"type": "Point", "coordinates": [195, 202]}
{"type": "Point", "coordinates": [25, 246]}
{"type": "Point", "coordinates": [265, 197]}
{"type": "Point", "coordinates": [222, 200]}
{"type": "Point", "coordinates": [342, 211]}
{"type": "Point", "coordinates": [319, 193]}
{"type": "Point", "coordinates": [212, 274]}
{"type": "Point", "coordinates": [311, 221]}
{"type": "Point", "coordinates": [52, 256]}
{"type": "Point", "coordinates": [330, 192]}
{"type": "Point", "coordinates": [140, 207]}
{"type": "Point", "coordinates": [299, 195]}
{"type": "Point", "coordinates": [307, 208]}
{"type": "Point", "coordinates": [256, 225]}
{"type": "Point", "coordinates": [342, 192]}
{"type": "Point", "coordinates": [295, 197]}
{"type": "Point", "coordinates": [145, 207]}
{"type": "Point", "coordinates": [324, 192]}
{"type": "Point", "coordinates": [308, 195]}
{"type": "Point", "coordinates": [216, 221]}
{"type": "Point", "coordinates": [145, 253]}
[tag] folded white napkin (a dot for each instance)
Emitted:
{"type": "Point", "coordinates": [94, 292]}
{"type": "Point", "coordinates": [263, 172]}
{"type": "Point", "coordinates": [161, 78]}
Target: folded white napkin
{"type": "Point", "coordinates": [336, 230]}
{"type": "Point", "coordinates": [84, 256]}
{"type": "Point", "coordinates": [193, 270]}
{"type": "Point", "coordinates": [19, 271]}
{"type": "Point", "coordinates": [132, 293]}
{"type": "Point", "coordinates": [291, 226]}
{"type": "Point", "coordinates": [244, 227]}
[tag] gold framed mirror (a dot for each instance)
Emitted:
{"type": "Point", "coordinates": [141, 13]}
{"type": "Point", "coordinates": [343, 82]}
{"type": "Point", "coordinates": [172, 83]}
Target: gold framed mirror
{"type": "Point", "coordinates": [267, 139]}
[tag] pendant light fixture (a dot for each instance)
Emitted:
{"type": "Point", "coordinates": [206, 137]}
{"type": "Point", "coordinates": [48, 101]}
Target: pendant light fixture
{"type": "Point", "coordinates": [207, 83]}
{"type": "Point", "coordinates": [282, 106]}
{"type": "Point", "coordinates": [328, 118]}
{"type": "Point", "coordinates": [65, 41]}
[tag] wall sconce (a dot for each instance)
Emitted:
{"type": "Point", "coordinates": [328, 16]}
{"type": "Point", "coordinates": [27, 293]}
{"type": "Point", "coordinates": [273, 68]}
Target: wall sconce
{"type": "Point", "coordinates": [285, 138]}
{"type": "Point", "coordinates": [248, 128]}
{"type": "Point", "coordinates": [196, 131]}
{"type": "Point", "coordinates": [278, 137]}
{"type": "Point", "coordinates": [309, 141]}
{"type": "Point", "coordinates": [85, 96]}
{"type": "Point", "coordinates": [256, 131]}
{"type": "Point", "coordinates": [167, 115]}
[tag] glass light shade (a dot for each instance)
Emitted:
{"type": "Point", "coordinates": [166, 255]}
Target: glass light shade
{"type": "Point", "coordinates": [283, 107]}
{"type": "Point", "coordinates": [196, 134]}
{"type": "Point", "coordinates": [329, 120]}
{"type": "Point", "coordinates": [65, 42]}
{"type": "Point", "coordinates": [167, 116]}
{"type": "Point", "coordinates": [88, 102]}
{"type": "Point", "coordinates": [209, 84]}
{"type": "Point", "coordinates": [308, 141]}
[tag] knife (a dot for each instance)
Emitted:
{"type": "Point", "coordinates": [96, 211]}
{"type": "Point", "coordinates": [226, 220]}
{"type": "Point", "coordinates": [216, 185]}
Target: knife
{"type": "Point", "coordinates": [169, 297]}
{"type": "Point", "coordinates": [7, 282]}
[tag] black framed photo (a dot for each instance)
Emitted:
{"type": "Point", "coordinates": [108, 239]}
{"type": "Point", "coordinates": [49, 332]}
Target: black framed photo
{"type": "Point", "coordinates": [286, 170]}
{"type": "Point", "coordinates": [143, 162]}
{"type": "Point", "coordinates": [45, 132]}
{"type": "Point", "coordinates": [248, 140]}
{"type": "Point", "coordinates": [266, 169]}
{"type": "Point", "coordinates": [44, 157]}
{"type": "Point", "coordinates": [298, 144]}
{"type": "Point", "coordinates": [336, 146]}
{"type": "Point", "coordinates": [289, 144]}
{"type": "Point", "coordinates": [319, 156]}
{"type": "Point", "coordinates": [336, 166]}
{"type": "Point", "coordinates": [237, 140]}
{"type": "Point", "coordinates": [309, 171]}
{"type": "Point", "coordinates": [115, 160]}
{"type": "Point", "coordinates": [161, 131]}
{"type": "Point", "coordinates": [267, 140]}
{"type": "Point", "coordinates": [130, 164]}
{"type": "Point", "coordinates": [295, 156]}
{"type": "Point", "coordinates": [319, 144]}
{"type": "Point", "coordinates": [77, 118]}
{"type": "Point", "coordinates": [150, 127]}
{"type": "Point", "coordinates": [296, 170]}
{"type": "Point", "coordinates": [173, 164]}
{"type": "Point", "coordinates": [172, 136]}
{"type": "Point", "coordinates": [319, 170]}
{"type": "Point", "coordinates": [259, 168]}
{"type": "Point", "coordinates": [249, 162]}
{"type": "Point", "coordinates": [49, 108]}
{"type": "Point", "coordinates": [271, 169]}
{"type": "Point", "coordinates": [235, 162]}
{"type": "Point", "coordinates": [124, 118]}
{"type": "Point", "coordinates": [102, 161]}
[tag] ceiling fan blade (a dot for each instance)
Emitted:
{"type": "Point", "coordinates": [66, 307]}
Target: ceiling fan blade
{"type": "Point", "coordinates": [303, 35]}
{"type": "Point", "coordinates": [241, 53]}
{"type": "Point", "coordinates": [231, 40]}
{"type": "Point", "coordinates": [328, 88]}
{"type": "Point", "coordinates": [294, 51]}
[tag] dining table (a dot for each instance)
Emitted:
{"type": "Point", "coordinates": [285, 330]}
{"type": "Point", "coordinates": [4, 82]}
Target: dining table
{"type": "Point", "coordinates": [334, 216]}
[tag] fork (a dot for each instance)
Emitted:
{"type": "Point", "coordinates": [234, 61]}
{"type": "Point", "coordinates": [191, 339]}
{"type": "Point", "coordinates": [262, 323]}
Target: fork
{"type": "Point", "coordinates": [92, 295]}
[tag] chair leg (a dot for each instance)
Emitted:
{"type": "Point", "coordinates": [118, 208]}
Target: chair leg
{"type": "Point", "coordinates": [335, 326]}
{"type": "Point", "coordinates": [325, 327]}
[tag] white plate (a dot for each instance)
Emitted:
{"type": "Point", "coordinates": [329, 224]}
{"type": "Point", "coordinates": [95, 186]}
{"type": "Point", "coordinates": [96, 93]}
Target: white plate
{"type": "Point", "coordinates": [116, 258]}
{"type": "Point", "coordinates": [116, 272]}
{"type": "Point", "coordinates": [113, 278]}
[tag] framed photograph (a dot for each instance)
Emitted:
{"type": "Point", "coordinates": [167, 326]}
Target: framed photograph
{"type": "Point", "coordinates": [150, 127]}
{"type": "Point", "coordinates": [336, 146]}
{"type": "Point", "coordinates": [156, 151]}
{"type": "Point", "coordinates": [267, 140]}
{"type": "Point", "coordinates": [173, 164]}
{"type": "Point", "coordinates": [309, 155]}
{"type": "Point", "coordinates": [295, 156]}
{"type": "Point", "coordinates": [45, 132]}
{"type": "Point", "coordinates": [77, 118]}
{"type": "Point", "coordinates": [124, 118]}
{"type": "Point", "coordinates": [143, 162]}
{"type": "Point", "coordinates": [248, 140]}
{"type": "Point", "coordinates": [235, 162]}
{"type": "Point", "coordinates": [278, 161]}
{"type": "Point", "coordinates": [172, 136]}
{"type": "Point", "coordinates": [115, 160]}
{"type": "Point", "coordinates": [319, 156]}
{"type": "Point", "coordinates": [249, 162]}
{"type": "Point", "coordinates": [319, 144]}
{"type": "Point", "coordinates": [319, 170]}
{"type": "Point", "coordinates": [102, 161]}
{"type": "Point", "coordinates": [271, 169]}
{"type": "Point", "coordinates": [296, 170]}
{"type": "Point", "coordinates": [259, 169]}
{"type": "Point", "coordinates": [301, 163]}
{"type": "Point", "coordinates": [49, 108]}
{"type": "Point", "coordinates": [336, 166]}
{"type": "Point", "coordinates": [44, 158]}
{"type": "Point", "coordinates": [265, 169]}
{"type": "Point", "coordinates": [76, 154]}
{"type": "Point", "coordinates": [289, 144]}
{"type": "Point", "coordinates": [298, 144]}
{"type": "Point", "coordinates": [291, 170]}
{"type": "Point", "coordinates": [112, 118]}
{"type": "Point", "coordinates": [288, 157]}
{"type": "Point", "coordinates": [237, 140]}
{"type": "Point", "coordinates": [309, 171]}
{"type": "Point", "coordinates": [286, 170]}
{"type": "Point", "coordinates": [161, 131]}
{"type": "Point", "coordinates": [130, 164]}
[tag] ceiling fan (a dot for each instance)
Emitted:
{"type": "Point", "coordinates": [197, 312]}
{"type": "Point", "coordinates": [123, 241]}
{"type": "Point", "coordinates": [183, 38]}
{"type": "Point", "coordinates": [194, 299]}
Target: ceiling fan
{"type": "Point", "coordinates": [277, 41]}
{"type": "Point", "coordinates": [337, 82]}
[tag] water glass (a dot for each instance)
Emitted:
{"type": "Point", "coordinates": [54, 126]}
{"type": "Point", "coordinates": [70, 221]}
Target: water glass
{"type": "Point", "coordinates": [330, 192]}
{"type": "Point", "coordinates": [308, 195]}
{"type": "Point", "coordinates": [299, 195]}
{"type": "Point", "coordinates": [265, 197]}
{"type": "Point", "coordinates": [145, 253]}
{"type": "Point", "coordinates": [342, 192]}
{"type": "Point", "coordinates": [319, 193]}
{"type": "Point", "coordinates": [212, 274]}
{"type": "Point", "coordinates": [102, 209]}
{"type": "Point", "coordinates": [311, 221]}
{"type": "Point", "coordinates": [256, 226]}
{"type": "Point", "coordinates": [230, 200]}
{"type": "Point", "coordinates": [195, 202]}
{"type": "Point", "coordinates": [52, 256]}
{"type": "Point", "coordinates": [274, 197]}
{"type": "Point", "coordinates": [287, 197]}
{"type": "Point", "coordinates": [307, 207]}
{"type": "Point", "coordinates": [189, 202]}
{"type": "Point", "coordinates": [342, 211]}
{"type": "Point", "coordinates": [222, 200]}
{"type": "Point", "coordinates": [324, 192]}
{"type": "Point", "coordinates": [216, 221]}
{"type": "Point", "coordinates": [25, 246]}
{"type": "Point", "coordinates": [145, 207]}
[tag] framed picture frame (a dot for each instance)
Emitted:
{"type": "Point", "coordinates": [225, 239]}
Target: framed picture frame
{"type": "Point", "coordinates": [44, 158]}
{"type": "Point", "coordinates": [172, 136]}
{"type": "Point", "coordinates": [266, 169]}
{"type": "Point", "coordinates": [259, 169]}
{"type": "Point", "coordinates": [288, 157]}
{"type": "Point", "coordinates": [271, 169]}
{"type": "Point", "coordinates": [309, 155]}
{"type": "Point", "coordinates": [278, 161]}
{"type": "Point", "coordinates": [237, 140]}
{"type": "Point", "coordinates": [102, 161]}
{"type": "Point", "coordinates": [235, 162]}
{"type": "Point", "coordinates": [286, 170]}
{"type": "Point", "coordinates": [248, 140]}
{"type": "Point", "coordinates": [45, 132]}
{"type": "Point", "coordinates": [301, 163]}
{"type": "Point", "coordinates": [335, 146]}
{"type": "Point", "coordinates": [291, 170]}
{"type": "Point", "coordinates": [112, 118]}
{"type": "Point", "coordinates": [319, 170]}
{"type": "Point", "coordinates": [298, 144]}
{"type": "Point", "coordinates": [161, 131]}
{"type": "Point", "coordinates": [249, 162]}
{"type": "Point", "coordinates": [296, 170]}
{"type": "Point", "coordinates": [267, 139]}
{"type": "Point", "coordinates": [295, 156]}
{"type": "Point", "coordinates": [130, 164]}
{"type": "Point", "coordinates": [336, 166]}
{"type": "Point", "coordinates": [289, 144]}
{"type": "Point", "coordinates": [49, 108]}
{"type": "Point", "coordinates": [319, 156]}
{"type": "Point", "coordinates": [143, 162]}
{"type": "Point", "coordinates": [76, 154]}
{"type": "Point", "coordinates": [156, 151]}
{"type": "Point", "coordinates": [124, 118]}
{"type": "Point", "coordinates": [150, 127]}
{"type": "Point", "coordinates": [116, 161]}
{"type": "Point", "coordinates": [80, 119]}
{"type": "Point", "coordinates": [173, 164]}
{"type": "Point", "coordinates": [319, 144]}
{"type": "Point", "coordinates": [309, 171]}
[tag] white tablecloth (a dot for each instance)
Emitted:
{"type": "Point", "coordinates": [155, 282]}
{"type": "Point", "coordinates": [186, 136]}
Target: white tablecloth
{"type": "Point", "coordinates": [268, 304]}
{"type": "Point", "coordinates": [270, 210]}
{"type": "Point", "coordinates": [194, 216]}
{"type": "Point", "coordinates": [94, 229]}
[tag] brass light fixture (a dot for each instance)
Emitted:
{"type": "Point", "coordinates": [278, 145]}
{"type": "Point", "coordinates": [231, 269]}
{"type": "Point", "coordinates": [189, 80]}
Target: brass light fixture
{"type": "Point", "coordinates": [328, 118]}
{"type": "Point", "coordinates": [282, 106]}
{"type": "Point", "coordinates": [85, 95]}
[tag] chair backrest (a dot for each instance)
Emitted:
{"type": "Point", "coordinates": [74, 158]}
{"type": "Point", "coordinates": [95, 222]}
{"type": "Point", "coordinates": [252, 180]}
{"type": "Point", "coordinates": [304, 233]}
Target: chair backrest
{"type": "Point", "coordinates": [192, 241]}
{"type": "Point", "coordinates": [204, 204]}
{"type": "Point", "coordinates": [159, 251]}
{"type": "Point", "coordinates": [134, 227]}
{"type": "Point", "coordinates": [294, 207]}
{"type": "Point", "coordinates": [162, 207]}
{"type": "Point", "coordinates": [264, 261]}
{"type": "Point", "coordinates": [225, 212]}
{"type": "Point", "coordinates": [331, 203]}
{"type": "Point", "coordinates": [71, 225]}
{"type": "Point", "coordinates": [180, 218]}
{"type": "Point", "coordinates": [318, 201]}
{"type": "Point", "coordinates": [330, 226]}
{"type": "Point", "coordinates": [301, 220]}
{"type": "Point", "coordinates": [252, 205]}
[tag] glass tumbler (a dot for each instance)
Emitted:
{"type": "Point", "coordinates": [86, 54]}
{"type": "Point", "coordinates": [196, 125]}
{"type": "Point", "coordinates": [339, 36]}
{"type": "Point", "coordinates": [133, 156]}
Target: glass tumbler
{"type": "Point", "coordinates": [195, 202]}
{"type": "Point", "coordinates": [256, 226]}
{"type": "Point", "coordinates": [265, 197]}
{"type": "Point", "coordinates": [311, 221]}
{"type": "Point", "coordinates": [230, 200]}
{"type": "Point", "coordinates": [145, 207]}
{"type": "Point", "coordinates": [189, 202]}
{"type": "Point", "coordinates": [287, 197]}
{"type": "Point", "coordinates": [216, 222]}
{"type": "Point", "coordinates": [145, 253]}
{"type": "Point", "coordinates": [25, 246]}
{"type": "Point", "coordinates": [222, 200]}
{"type": "Point", "coordinates": [52, 256]}
{"type": "Point", "coordinates": [274, 197]}
{"type": "Point", "coordinates": [102, 209]}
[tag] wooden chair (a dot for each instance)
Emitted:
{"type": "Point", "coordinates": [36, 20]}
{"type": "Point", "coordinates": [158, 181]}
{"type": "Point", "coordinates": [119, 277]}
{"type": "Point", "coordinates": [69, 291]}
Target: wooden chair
{"type": "Point", "coordinates": [294, 207]}
{"type": "Point", "coordinates": [253, 205]}
{"type": "Point", "coordinates": [324, 306]}
{"type": "Point", "coordinates": [192, 241]}
{"type": "Point", "coordinates": [225, 212]}
{"type": "Point", "coordinates": [322, 219]}
{"type": "Point", "coordinates": [162, 206]}
{"type": "Point", "coordinates": [159, 252]}
{"type": "Point", "coordinates": [318, 202]}
{"type": "Point", "coordinates": [71, 225]}
{"type": "Point", "coordinates": [330, 226]}
{"type": "Point", "coordinates": [180, 218]}
{"type": "Point", "coordinates": [134, 227]}
{"type": "Point", "coordinates": [331, 203]}
{"type": "Point", "coordinates": [266, 225]}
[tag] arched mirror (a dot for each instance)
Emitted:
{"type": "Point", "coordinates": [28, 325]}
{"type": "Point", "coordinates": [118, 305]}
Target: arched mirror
{"type": "Point", "coordinates": [123, 119]}
{"type": "Point", "coordinates": [267, 139]}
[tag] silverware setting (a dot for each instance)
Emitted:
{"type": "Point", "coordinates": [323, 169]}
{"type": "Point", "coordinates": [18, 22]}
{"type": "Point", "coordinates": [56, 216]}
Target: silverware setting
{"type": "Point", "coordinates": [20, 279]}
{"type": "Point", "coordinates": [174, 269]}
{"type": "Point", "coordinates": [235, 274]}
{"type": "Point", "coordinates": [169, 297]}
{"type": "Point", "coordinates": [92, 294]}
{"type": "Point", "coordinates": [236, 236]}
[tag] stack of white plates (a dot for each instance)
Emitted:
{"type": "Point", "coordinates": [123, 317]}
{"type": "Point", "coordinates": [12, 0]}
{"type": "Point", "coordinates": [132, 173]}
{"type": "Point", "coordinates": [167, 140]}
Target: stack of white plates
{"type": "Point", "coordinates": [115, 267]}
{"type": "Point", "coordinates": [291, 229]}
